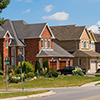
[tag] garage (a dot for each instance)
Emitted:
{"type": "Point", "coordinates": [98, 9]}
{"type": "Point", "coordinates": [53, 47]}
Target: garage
{"type": "Point", "coordinates": [62, 64]}
{"type": "Point", "coordinates": [93, 66]}
{"type": "Point", "coordinates": [53, 65]}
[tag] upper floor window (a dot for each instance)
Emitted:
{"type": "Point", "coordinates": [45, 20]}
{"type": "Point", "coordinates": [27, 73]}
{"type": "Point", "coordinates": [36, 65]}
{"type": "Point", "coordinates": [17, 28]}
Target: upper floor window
{"type": "Point", "coordinates": [92, 46]}
{"type": "Point", "coordinates": [45, 42]}
{"type": "Point", "coordinates": [49, 43]}
{"type": "Point", "coordinates": [21, 50]}
{"type": "Point", "coordinates": [6, 44]}
{"type": "Point", "coordinates": [87, 44]}
{"type": "Point", "coordinates": [81, 44]}
{"type": "Point", "coordinates": [84, 44]}
{"type": "Point", "coordinates": [42, 43]}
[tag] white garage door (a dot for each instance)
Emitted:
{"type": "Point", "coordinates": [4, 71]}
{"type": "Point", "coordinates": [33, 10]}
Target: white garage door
{"type": "Point", "coordinates": [93, 66]}
{"type": "Point", "coordinates": [99, 65]}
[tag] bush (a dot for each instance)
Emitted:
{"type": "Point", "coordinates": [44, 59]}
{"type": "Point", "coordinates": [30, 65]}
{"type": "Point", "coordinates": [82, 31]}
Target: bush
{"type": "Point", "coordinates": [37, 66]}
{"type": "Point", "coordinates": [97, 74]}
{"type": "Point", "coordinates": [11, 69]}
{"type": "Point", "coordinates": [54, 73]}
{"type": "Point", "coordinates": [77, 72]}
{"type": "Point", "coordinates": [26, 68]}
{"type": "Point", "coordinates": [46, 65]}
{"type": "Point", "coordinates": [30, 74]}
{"type": "Point", "coordinates": [14, 79]}
{"type": "Point", "coordinates": [1, 72]}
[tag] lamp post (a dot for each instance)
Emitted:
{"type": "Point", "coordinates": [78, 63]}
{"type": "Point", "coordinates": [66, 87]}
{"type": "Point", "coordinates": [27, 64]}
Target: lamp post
{"type": "Point", "coordinates": [20, 58]}
{"type": "Point", "coordinates": [52, 61]}
{"type": "Point", "coordinates": [7, 63]}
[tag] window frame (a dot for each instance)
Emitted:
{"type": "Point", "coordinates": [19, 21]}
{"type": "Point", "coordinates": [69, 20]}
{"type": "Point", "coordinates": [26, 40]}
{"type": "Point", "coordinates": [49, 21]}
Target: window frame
{"type": "Point", "coordinates": [49, 43]}
{"type": "Point", "coordinates": [45, 43]}
{"type": "Point", "coordinates": [6, 44]}
{"type": "Point", "coordinates": [84, 44]}
{"type": "Point", "coordinates": [42, 42]}
{"type": "Point", "coordinates": [81, 44]}
{"type": "Point", "coordinates": [12, 51]}
{"type": "Point", "coordinates": [79, 61]}
{"type": "Point", "coordinates": [87, 44]}
{"type": "Point", "coordinates": [92, 46]}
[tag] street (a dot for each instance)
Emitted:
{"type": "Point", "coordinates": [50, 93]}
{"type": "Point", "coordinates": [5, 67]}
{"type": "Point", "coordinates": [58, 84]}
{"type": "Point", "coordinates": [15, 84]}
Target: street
{"type": "Point", "coordinates": [73, 93]}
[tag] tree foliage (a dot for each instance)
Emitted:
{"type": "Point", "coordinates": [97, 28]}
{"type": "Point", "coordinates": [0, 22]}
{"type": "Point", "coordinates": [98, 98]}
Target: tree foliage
{"type": "Point", "coordinates": [37, 66]}
{"type": "Point", "coordinates": [46, 65]}
{"type": "Point", "coordinates": [3, 4]}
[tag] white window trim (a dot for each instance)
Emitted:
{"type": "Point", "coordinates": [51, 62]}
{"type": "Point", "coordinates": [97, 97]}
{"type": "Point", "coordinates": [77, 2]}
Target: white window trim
{"type": "Point", "coordinates": [45, 43]}
{"type": "Point", "coordinates": [87, 44]}
{"type": "Point", "coordinates": [41, 43]}
{"type": "Point", "coordinates": [6, 44]}
{"type": "Point", "coordinates": [92, 45]}
{"type": "Point", "coordinates": [81, 44]}
{"type": "Point", "coordinates": [49, 40]}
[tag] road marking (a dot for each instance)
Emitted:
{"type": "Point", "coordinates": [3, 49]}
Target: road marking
{"type": "Point", "coordinates": [90, 97]}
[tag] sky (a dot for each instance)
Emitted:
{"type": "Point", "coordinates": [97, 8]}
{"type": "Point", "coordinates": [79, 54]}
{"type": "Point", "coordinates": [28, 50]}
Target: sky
{"type": "Point", "coordinates": [55, 12]}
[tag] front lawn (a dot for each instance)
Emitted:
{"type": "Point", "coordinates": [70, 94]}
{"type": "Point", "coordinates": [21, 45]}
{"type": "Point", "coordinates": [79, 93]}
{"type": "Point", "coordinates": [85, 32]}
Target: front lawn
{"type": "Point", "coordinates": [20, 93]}
{"type": "Point", "coordinates": [60, 81]}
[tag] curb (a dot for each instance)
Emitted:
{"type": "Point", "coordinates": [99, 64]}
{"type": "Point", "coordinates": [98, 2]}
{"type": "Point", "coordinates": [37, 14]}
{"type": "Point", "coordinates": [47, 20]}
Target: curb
{"type": "Point", "coordinates": [90, 84]}
{"type": "Point", "coordinates": [31, 96]}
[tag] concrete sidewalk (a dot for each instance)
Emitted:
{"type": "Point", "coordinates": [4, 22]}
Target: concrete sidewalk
{"type": "Point", "coordinates": [90, 84]}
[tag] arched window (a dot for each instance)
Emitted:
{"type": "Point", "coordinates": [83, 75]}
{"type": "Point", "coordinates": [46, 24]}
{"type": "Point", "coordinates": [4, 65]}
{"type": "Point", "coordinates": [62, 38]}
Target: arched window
{"type": "Point", "coordinates": [49, 43]}
{"type": "Point", "coordinates": [42, 43]}
{"type": "Point", "coordinates": [45, 42]}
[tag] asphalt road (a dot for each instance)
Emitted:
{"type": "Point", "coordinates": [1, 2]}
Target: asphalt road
{"type": "Point", "coordinates": [73, 93]}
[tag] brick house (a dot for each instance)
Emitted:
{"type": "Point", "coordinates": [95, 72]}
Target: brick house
{"type": "Point", "coordinates": [81, 43]}
{"type": "Point", "coordinates": [33, 41]}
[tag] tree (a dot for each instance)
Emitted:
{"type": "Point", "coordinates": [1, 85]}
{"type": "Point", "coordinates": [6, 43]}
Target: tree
{"type": "Point", "coordinates": [46, 65]}
{"type": "Point", "coordinates": [3, 5]}
{"type": "Point", "coordinates": [37, 66]}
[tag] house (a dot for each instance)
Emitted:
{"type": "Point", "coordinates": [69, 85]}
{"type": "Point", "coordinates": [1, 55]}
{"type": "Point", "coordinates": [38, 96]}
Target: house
{"type": "Point", "coordinates": [33, 41]}
{"type": "Point", "coordinates": [81, 43]}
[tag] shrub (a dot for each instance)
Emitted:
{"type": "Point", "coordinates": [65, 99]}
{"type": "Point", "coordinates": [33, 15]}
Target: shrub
{"type": "Point", "coordinates": [11, 69]}
{"type": "Point", "coordinates": [97, 74]}
{"type": "Point", "coordinates": [1, 72]}
{"type": "Point", "coordinates": [46, 65]}
{"type": "Point", "coordinates": [14, 79]}
{"type": "Point", "coordinates": [77, 72]}
{"type": "Point", "coordinates": [37, 66]}
{"type": "Point", "coordinates": [30, 74]}
{"type": "Point", "coordinates": [54, 73]}
{"type": "Point", "coordinates": [26, 68]}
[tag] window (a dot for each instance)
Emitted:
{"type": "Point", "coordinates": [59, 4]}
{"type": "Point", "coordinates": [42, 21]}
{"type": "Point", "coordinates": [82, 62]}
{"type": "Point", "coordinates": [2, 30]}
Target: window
{"type": "Point", "coordinates": [12, 51]}
{"type": "Point", "coordinates": [49, 43]}
{"type": "Point", "coordinates": [87, 44]}
{"type": "Point", "coordinates": [6, 44]}
{"type": "Point", "coordinates": [45, 42]}
{"type": "Point", "coordinates": [21, 51]}
{"type": "Point", "coordinates": [92, 46]}
{"type": "Point", "coordinates": [84, 44]}
{"type": "Point", "coordinates": [40, 60]}
{"type": "Point", "coordinates": [10, 41]}
{"type": "Point", "coordinates": [79, 62]}
{"type": "Point", "coordinates": [42, 43]}
{"type": "Point", "coordinates": [81, 44]}
{"type": "Point", "coordinates": [13, 61]}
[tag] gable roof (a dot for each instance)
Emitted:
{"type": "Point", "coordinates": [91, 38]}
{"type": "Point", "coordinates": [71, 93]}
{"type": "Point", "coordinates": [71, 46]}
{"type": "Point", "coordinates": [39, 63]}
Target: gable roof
{"type": "Point", "coordinates": [56, 52]}
{"type": "Point", "coordinates": [21, 30]}
{"type": "Point", "coordinates": [68, 32]}
{"type": "Point", "coordinates": [97, 36]}
{"type": "Point", "coordinates": [80, 53]}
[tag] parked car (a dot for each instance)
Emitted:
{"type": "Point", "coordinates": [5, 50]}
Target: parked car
{"type": "Point", "coordinates": [69, 69]}
{"type": "Point", "coordinates": [98, 71]}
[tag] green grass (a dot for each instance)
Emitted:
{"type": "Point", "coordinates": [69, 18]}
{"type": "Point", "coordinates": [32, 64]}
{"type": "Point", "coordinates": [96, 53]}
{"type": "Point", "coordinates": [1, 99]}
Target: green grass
{"type": "Point", "coordinates": [61, 81]}
{"type": "Point", "coordinates": [20, 93]}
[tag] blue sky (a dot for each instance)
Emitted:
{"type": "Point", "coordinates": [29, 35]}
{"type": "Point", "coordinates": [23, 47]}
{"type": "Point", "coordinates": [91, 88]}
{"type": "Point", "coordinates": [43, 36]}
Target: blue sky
{"type": "Point", "coordinates": [55, 12]}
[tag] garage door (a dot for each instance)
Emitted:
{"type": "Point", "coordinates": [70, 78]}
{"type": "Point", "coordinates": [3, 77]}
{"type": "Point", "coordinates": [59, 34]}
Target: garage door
{"type": "Point", "coordinates": [93, 66]}
{"type": "Point", "coordinates": [53, 65]}
{"type": "Point", "coordinates": [62, 64]}
{"type": "Point", "coordinates": [98, 64]}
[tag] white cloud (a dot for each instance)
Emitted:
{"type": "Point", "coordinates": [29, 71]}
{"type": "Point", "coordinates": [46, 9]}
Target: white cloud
{"type": "Point", "coordinates": [57, 16]}
{"type": "Point", "coordinates": [27, 11]}
{"type": "Point", "coordinates": [48, 8]}
{"type": "Point", "coordinates": [94, 28]}
{"type": "Point", "coordinates": [28, 1]}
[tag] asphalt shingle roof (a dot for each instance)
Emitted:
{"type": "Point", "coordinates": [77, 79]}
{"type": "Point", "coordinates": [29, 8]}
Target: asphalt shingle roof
{"type": "Point", "coordinates": [68, 32]}
{"type": "Point", "coordinates": [97, 36]}
{"type": "Point", "coordinates": [80, 53]}
{"type": "Point", "coordinates": [56, 52]}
